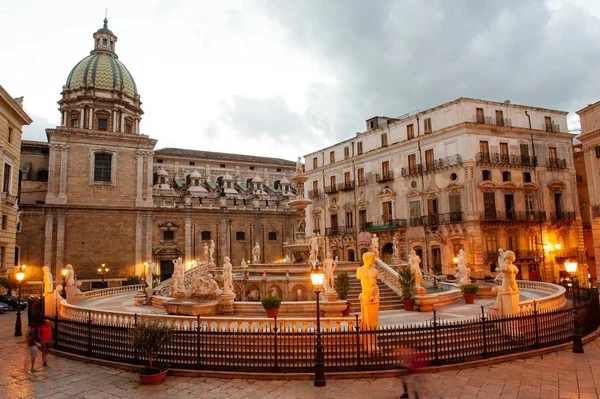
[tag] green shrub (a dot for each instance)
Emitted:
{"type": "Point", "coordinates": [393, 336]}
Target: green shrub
{"type": "Point", "coordinates": [342, 285]}
{"type": "Point", "coordinates": [473, 279]}
{"type": "Point", "coordinates": [469, 289]}
{"type": "Point", "coordinates": [149, 337]}
{"type": "Point", "coordinates": [407, 282]}
{"type": "Point", "coordinates": [8, 284]}
{"type": "Point", "coordinates": [133, 280]}
{"type": "Point", "coordinates": [271, 302]}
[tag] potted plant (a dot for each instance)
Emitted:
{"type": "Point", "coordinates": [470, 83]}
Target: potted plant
{"type": "Point", "coordinates": [406, 279]}
{"type": "Point", "coordinates": [473, 279]}
{"type": "Point", "coordinates": [342, 286]}
{"type": "Point", "coordinates": [149, 337]}
{"type": "Point", "coordinates": [469, 291]}
{"type": "Point", "coordinates": [271, 305]}
{"type": "Point", "coordinates": [488, 278]}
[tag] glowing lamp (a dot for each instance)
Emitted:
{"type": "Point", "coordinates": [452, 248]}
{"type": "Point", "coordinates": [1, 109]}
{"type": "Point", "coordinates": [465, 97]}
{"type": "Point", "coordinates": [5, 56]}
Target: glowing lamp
{"type": "Point", "coordinates": [571, 267]}
{"type": "Point", "coordinates": [558, 246]}
{"type": "Point", "coordinates": [317, 277]}
{"type": "Point", "coordinates": [64, 272]}
{"type": "Point", "coordinates": [455, 259]}
{"type": "Point", "coordinates": [20, 276]}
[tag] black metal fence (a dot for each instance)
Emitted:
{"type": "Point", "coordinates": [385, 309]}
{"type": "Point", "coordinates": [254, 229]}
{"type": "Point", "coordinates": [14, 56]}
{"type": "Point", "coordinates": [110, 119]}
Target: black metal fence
{"type": "Point", "coordinates": [436, 342]}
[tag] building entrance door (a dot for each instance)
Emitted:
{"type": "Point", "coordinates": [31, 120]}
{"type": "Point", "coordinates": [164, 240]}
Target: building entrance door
{"type": "Point", "coordinates": [166, 269]}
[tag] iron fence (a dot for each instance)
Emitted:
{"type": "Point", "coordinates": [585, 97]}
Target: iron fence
{"type": "Point", "coordinates": [438, 342]}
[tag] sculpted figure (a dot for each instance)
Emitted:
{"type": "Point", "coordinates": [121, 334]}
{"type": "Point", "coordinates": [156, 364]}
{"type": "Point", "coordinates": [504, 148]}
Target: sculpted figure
{"type": "Point", "coordinates": [70, 276]}
{"type": "Point", "coordinates": [395, 249]}
{"type": "Point", "coordinates": [287, 259]}
{"type": "Point", "coordinates": [205, 252]}
{"type": "Point", "coordinates": [48, 283]}
{"type": "Point", "coordinates": [244, 264]}
{"type": "Point", "coordinates": [256, 253]}
{"type": "Point", "coordinates": [463, 273]}
{"type": "Point", "coordinates": [299, 167]}
{"type": "Point", "coordinates": [313, 244]}
{"type": "Point", "coordinates": [369, 296]}
{"type": "Point", "coordinates": [498, 278]}
{"type": "Point", "coordinates": [212, 252]}
{"type": "Point", "coordinates": [227, 276]}
{"type": "Point", "coordinates": [415, 267]}
{"type": "Point", "coordinates": [273, 291]}
{"type": "Point", "coordinates": [254, 295]}
{"type": "Point", "coordinates": [150, 269]}
{"type": "Point", "coordinates": [509, 273]}
{"type": "Point", "coordinates": [329, 266]}
{"type": "Point", "coordinates": [375, 245]}
{"type": "Point", "coordinates": [178, 275]}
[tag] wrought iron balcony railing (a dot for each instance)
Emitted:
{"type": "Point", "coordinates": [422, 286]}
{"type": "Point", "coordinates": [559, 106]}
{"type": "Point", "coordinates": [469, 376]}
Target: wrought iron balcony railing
{"type": "Point", "coordinates": [556, 163]}
{"type": "Point", "coordinates": [347, 185]}
{"type": "Point", "coordinates": [490, 120]}
{"type": "Point", "coordinates": [442, 218]}
{"type": "Point", "coordinates": [381, 177]}
{"type": "Point", "coordinates": [391, 224]}
{"type": "Point", "coordinates": [486, 158]}
{"type": "Point", "coordinates": [313, 194]}
{"type": "Point", "coordinates": [517, 216]}
{"type": "Point", "coordinates": [566, 216]}
{"type": "Point", "coordinates": [331, 231]}
{"type": "Point", "coordinates": [415, 222]}
{"type": "Point", "coordinates": [331, 189]}
{"type": "Point", "coordinates": [412, 171]}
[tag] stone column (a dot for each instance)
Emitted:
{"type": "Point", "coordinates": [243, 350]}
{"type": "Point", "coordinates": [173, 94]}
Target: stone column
{"type": "Point", "coordinates": [139, 201]}
{"type": "Point", "coordinates": [91, 118]}
{"type": "Point", "coordinates": [82, 118]}
{"type": "Point", "coordinates": [149, 177]}
{"type": "Point", "coordinates": [51, 193]}
{"type": "Point", "coordinates": [114, 121]}
{"type": "Point", "coordinates": [48, 240]}
{"type": "Point", "coordinates": [139, 265]}
{"type": "Point", "coordinates": [187, 258]}
{"type": "Point", "coordinates": [149, 231]}
{"type": "Point", "coordinates": [60, 239]}
{"type": "Point", "coordinates": [137, 126]}
{"type": "Point", "coordinates": [122, 121]}
{"type": "Point", "coordinates": [62, 191]}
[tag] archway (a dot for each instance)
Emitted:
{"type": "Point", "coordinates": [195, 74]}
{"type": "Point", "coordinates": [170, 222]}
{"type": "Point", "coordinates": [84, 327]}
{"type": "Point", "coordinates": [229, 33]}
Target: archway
{"type": "Point", "coordinates": [351, 255]}
{"type": "Point", "coordinates": [387, 252]}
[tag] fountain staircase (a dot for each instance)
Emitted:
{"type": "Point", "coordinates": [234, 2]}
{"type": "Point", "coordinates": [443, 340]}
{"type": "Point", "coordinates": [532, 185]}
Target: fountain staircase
{"type": "Point", "coordinates": [389, 300]}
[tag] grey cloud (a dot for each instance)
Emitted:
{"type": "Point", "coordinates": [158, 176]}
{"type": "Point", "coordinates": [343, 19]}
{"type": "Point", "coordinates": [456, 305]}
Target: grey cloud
{"type": "Point", "coordinates": [37, 130]}
{"type": "Point", "coordinates": [392, 57]}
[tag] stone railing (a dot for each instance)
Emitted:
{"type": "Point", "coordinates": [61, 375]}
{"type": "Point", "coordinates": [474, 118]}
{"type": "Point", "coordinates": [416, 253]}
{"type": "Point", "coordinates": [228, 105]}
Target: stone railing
{"type": "Point", "coordinates": [219, 324]}
{"type": "Point", "coordinates": [166, 287]}
{"type": "Point", "coordinates": [388, 275]}
{"type": "Point", "coordinates": [112, 291]}
{"type": "Point", "coordinates": [555, 300]}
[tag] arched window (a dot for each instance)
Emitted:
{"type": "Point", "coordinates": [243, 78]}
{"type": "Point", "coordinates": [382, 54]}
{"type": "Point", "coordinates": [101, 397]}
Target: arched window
{"type": "Point", "coordinates": [42, 175]}
{"type": "Point", "coordinates": [486, 175]}
{"type": "Point", "coordinates": [205, 236]}
{"type": "Point", "coordinates": [240, 236]}
{"type": "Point", "coordinates": [272, 236]}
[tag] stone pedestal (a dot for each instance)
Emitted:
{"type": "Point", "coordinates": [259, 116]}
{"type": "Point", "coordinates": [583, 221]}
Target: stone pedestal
{"type": "Point", "coordinates": [149, 293]}
{"type": "Point", "coordinates": [140, 298]}
{"type": "Point", "coordinates": [421, 291]}
{"type": "Point", "coordinates": [191, 308]}
{"type": "Point", "coordinates": [50, 303]}
{"type": "Point", "coordinates": [507, 304]}
{"type": "Point", "coordinates": [70, 294]}
{"type": "Point", "coordinates": [333, 308]}
{"type": "Point", "coordinates": [331, 296]}
{"type": "Point", "coordinates": [228, 300]}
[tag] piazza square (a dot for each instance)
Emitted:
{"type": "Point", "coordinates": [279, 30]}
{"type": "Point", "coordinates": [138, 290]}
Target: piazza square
{"type": "Point", "coordinates": [259, 251]}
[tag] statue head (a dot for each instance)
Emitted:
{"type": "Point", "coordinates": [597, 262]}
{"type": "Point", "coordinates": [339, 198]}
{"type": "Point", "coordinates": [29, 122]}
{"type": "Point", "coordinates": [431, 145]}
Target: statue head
{"type": "Point", "coordinates": [509, 256]}
{"type": "Point", "coordinates": [329, 256]}
{"type": "Point", "coordinates": [46, 269]}
{"type": "Point", "coordinates": [374, 235]}
{"type": "Point", "coordinates": [226, 259]}
{"type": "Point", "coordinates": [368, 258]}
{"type": "Point", "coordinates": [413, 252]}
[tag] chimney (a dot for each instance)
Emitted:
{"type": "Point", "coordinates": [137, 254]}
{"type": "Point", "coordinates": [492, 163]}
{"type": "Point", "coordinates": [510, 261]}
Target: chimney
{"type": "Point", "coordinates": [507, 102]}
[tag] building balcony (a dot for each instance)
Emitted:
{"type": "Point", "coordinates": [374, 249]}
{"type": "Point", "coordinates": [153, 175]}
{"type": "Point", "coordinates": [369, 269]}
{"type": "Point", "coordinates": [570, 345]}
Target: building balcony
{"type": "Point", "coordinates": [566, 253]}
{"type": "Point", "coordinates": [485, 158]}
{"type": "Point", "coordinates": [343, 230]}
{"type": "Point", "coordinates": [562, 216]}
{"type": "Point", "coordinates": [412, 171]}
{"type": "Point", "coordinates": [556, 163]}
{"type": "Point", "coordinates": [415, 222]}
{"type": "Point", "coordinates": [490, 120]}
{"type": "Point", "coordinates": [315, 194]}
{"type": "Point", "coordinates": [514, 216]}
{"type": "Point", "coordinates": [331, 231]}
{"type": "Point", "coordinates": [596, 211]}
{"type": "Point", "coordinates": [551, 127]}
{"type": "Point", "coordinates": [442, 218]}
{"type": "Point", "coordinates": [331, 189]}
{"type": "Point", "coordinates": [7, 198]}
{"type": "Point", "coordinates": [391, 224]}
{"type": "Point", "coordinates": [347, 185]}
{"type": "Point", "coordinates": [382, 177]}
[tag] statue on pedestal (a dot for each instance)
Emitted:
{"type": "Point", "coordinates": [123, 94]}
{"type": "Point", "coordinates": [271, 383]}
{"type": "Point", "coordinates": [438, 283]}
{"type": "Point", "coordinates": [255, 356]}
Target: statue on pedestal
{"type": "Point", "coordinates": [329, 266]}
{"type": "Point", "coordinates": [150, 269]}
{"type": "Point", "coordinates": [375, 245]}
{"type": "Point", "coordinates": [498, 278]}
{"type": "Point", "coordinates": [509, 273]}
{"type": "Point", "coordinates": [244, 265]}
{"type": "Point", "coordinates": [369, 296]}
{"type": "Point", "coordinates": [415, 268]}
{"type": "Point", "coordinates": [299, 167]}
{"type": "Point", "coordinates": [507, 295]}
{"type": "Point", "coordinates": [256, 254]}
{"type": "Point", "coordinates": [70, 277]}
{"type": "Point", "coordinates": [205, 250]}
{"type": "Point", "coordinates": [313, 244]}
{"type": "Point", "coordinates": [463, 273]}
{"type": "Point", "coordinates": [395, 250]}
{"type": "Point", "coordinates": [48, 283]}
{"type": "Point", "coordinates": [212, 252]}
{"type": "Point", "coordinates": [178, 276]}
{"type": "Point", "coordinates": [227, 276]}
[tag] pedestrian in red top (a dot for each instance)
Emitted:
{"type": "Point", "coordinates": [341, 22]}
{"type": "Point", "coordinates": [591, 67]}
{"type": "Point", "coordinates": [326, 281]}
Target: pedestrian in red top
{"type": "Point", "coordinates": [45, 334]}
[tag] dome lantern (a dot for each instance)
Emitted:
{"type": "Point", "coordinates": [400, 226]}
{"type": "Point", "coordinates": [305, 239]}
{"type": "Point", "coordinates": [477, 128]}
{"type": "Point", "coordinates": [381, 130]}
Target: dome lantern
{"type": "Point", "coordinates": [105, 40]}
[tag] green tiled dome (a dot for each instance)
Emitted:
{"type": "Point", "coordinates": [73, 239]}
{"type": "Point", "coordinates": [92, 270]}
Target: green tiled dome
{"type": "Point", "coordinates": [102, 70]}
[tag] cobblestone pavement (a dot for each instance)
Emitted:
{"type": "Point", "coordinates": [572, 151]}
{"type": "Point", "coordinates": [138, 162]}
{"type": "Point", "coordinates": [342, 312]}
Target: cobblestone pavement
{"type": "Point", "coordinates": [556, 375]}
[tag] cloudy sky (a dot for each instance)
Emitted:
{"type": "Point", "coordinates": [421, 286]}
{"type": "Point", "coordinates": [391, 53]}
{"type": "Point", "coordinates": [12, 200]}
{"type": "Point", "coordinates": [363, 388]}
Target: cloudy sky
{"type": "Point", "coordinates": [286, 77]}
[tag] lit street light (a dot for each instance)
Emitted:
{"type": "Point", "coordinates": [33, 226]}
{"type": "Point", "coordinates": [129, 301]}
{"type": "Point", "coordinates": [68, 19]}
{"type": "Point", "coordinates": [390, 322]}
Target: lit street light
{"type": "Point", "coordinates": [102, 271]}
{"type": "Point", "coordinates": [20, 277]}
{"type": "Point", "coordinates": [64, 273]}
{"type": "Point", "coordinates": [316, 277]}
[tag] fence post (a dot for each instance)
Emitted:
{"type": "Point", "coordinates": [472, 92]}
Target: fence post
{"type": "Point", "coordinates": [198, 348]}
{"type": "Point", "coordinates": [89, 348]}
{"type": "Point", "coordinates": [436, 360]}
{"type": "Point", "coordinates": [276, 361]}
{"type": "Point", "coordinates": [483, 319]}
{"type": "Point", "coordinates": [136, 355]}
{"type": "Point", "coordinates": [357, 328]}
{"type": "Point", "coordinates": [537, 327]}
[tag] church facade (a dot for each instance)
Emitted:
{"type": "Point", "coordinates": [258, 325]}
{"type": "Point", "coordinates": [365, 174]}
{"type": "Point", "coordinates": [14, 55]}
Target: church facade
{"type": "Point", "coordinates": [97, 192]}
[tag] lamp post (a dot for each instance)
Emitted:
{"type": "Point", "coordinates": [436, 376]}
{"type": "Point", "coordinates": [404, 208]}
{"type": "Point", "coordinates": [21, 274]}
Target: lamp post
{"type": "Point", "coordinates": [20, 277]}
{"type": "Point", "coordinates": [102, 271]}
{"type": "Point", "coordinates": [316, 277]}
{"type": "Point", "coordinates": [64, 273]}
{"type": "Point", "coordinates": [571, 267]}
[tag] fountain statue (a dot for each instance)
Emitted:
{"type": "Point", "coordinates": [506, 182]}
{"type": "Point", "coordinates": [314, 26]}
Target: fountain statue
{"type": "Point", "coordinates": [395, 251]}
{"type": "Point", "coordinates": [463, 273]}
{"type": "Point", "coordinates": [329, 266]}
{"type": "Point", "coordinates": [375, 245]}
{"type": "Point", "coordinates": [498, 278]}
{"type": "Point", "coordinates": [256, 254]}
{"type": "Point", "coordinates": [507, 295]}
{"type": "Point", "coordinates": [369, 296]}
{"type": "Point", "coordinates": [415, 268]}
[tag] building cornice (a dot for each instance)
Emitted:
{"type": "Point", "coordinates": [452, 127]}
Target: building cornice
{"type": "Point", "coordinates": [16, 109]}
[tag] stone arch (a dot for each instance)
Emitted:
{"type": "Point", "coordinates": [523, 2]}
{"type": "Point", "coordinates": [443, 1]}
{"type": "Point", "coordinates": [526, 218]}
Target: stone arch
{"type": "Point", "coordinates": [386, 252]}
{"type": "Point", "coordinates": [299, 293]}
{"type": "Point", "coordinates": [274, 290]}
{"type": "Point", "coordinates": [253, 288]}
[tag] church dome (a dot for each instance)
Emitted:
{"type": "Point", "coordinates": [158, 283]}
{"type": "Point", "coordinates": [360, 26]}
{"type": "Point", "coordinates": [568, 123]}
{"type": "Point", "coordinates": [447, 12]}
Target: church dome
{"type": "Point", "coordinates": [102, 70]}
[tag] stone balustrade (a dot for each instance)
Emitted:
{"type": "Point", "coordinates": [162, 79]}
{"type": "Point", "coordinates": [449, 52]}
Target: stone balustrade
{"type": "Point", "coordinates": [112, 291]}
{"type": "Point", "coordinates": [555, 300]}
{"type": "Point", "coordinates": [388, 275]}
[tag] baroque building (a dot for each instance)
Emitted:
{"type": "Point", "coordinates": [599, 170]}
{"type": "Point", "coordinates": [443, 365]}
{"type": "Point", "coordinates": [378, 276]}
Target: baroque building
{"type": "Point", "coordinates": [98, 193]}
{"type": "Point", "coordinates": [468, 174]}
{"type": "Point", "coordinates": [12, 119]}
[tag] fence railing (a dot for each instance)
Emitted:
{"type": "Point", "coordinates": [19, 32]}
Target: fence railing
{"type": "Point", "coordinates": [280, 350]}
{"type": "Point", "coordinates": [489, 158]}
{"type": "Point", "coordinates": [112, 291]}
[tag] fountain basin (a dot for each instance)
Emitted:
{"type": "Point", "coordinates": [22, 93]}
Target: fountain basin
{"type": "Point", "coordinates": [300, 203]}
{"type": "Point", "coordinates": [191, 308]}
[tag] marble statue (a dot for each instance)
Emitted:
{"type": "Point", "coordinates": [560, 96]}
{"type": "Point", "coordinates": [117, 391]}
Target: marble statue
{"type": "Point", "coordinates": [244, 264]}
{"type": "Point", "coordinates": [178, 275]}
{"type": "Point", "coordinates": [273, 292]}
{"type": "Point", "coordinates": [395, 249]}
{"type": "Point", "coordinates": [299, 168]}
{"type": "Point", "coordinates": [415, 268]}
{"type": "Point", "coordinates": [329, 266]}
{"type": "Point", "coordinates": [205, 287]}
{"type": "Point", "coordinates": [48, 283]}
{"type": "Point", "coordinates": [205, 252]}
{"type": "Point", "coordinates": [369, 296]}
{"type": "Point", "coordinates": [150, 269]}
{"type": "Point", "coordinates": [313, 244]}
{"type": "Point", "coordinates": [498, 278]}
{"type": "Point", "coordinates": [509, 273]}
{"type": "Point", "coordinates": [254, 295]}
{"type": "Point", "coordinates": [212, 252]}
{"type": "Point", "coordinates": [299, 293]}
{"type": "Point", "coordinates": [463, 273]}
{"type": "Point", "coordinates": [337, 259]}
{"type": "Point", "coordinates": [256, 254]}
{"type": "Point", "coordinates": [375, 245]}
{"type": "Point", "coordinates": [70, 277]}
{"type": "Point", "coordinates": [227, 276]}
{"type": "Point", "coordinates": [287, 259]}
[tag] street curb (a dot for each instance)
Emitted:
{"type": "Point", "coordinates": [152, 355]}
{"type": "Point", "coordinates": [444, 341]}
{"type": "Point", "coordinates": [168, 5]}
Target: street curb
{"type": "Point", "coordinates": [335, 375]}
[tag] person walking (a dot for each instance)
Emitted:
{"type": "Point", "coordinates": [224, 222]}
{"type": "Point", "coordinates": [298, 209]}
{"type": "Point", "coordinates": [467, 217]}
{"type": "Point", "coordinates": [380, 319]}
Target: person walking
{"type": "Point", "coordinates": [32, 340]}
{"type": "Point", "coordinates": [45, 333]}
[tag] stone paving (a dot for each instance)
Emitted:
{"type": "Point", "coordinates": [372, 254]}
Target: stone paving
{"type": "Point", "coordinates": [557, 375]}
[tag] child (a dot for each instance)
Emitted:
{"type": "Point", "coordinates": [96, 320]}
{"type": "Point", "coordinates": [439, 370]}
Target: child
{"type": "Point", "coordinates": [45, 333]}
{"type": "Point", "coordinates": [31, 342]}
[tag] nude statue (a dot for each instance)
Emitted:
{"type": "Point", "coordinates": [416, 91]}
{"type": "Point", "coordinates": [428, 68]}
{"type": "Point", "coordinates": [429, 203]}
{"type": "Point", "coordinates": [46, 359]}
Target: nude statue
{"type": "Point", "coordinates": [48, 282]}
{"type": "Point", "coordinates": [256, 253]}
{"type": "Point", "coordinates": [463, 273]}
{"type": "Point", "coordinates": [227, 276]}
{"type": "Point", "coordinates": [415, 268]}
{"type": "Point", "coordinates": [150, 269]}
{"type": "Point", "coordinates": [369, 296]}
{"type": "Point", "coordinates": [375, 245]}
{"type": "Point", "coordinates": [178, 275]}
{"type": "Point", "coordinates": [329, 266]}
{"type": "Point", "coordinates": [205, 252]}
{"type": "Point", "coordinates": [314, 246]}
{"type": "Point", "coordinates": [212, 252]}
{"type": "Point", "coordinates": [70, 277]}
{"type": "Point", "coordinates": [509, 273]}
{"type": "Point", "coordinates": [498, 278]}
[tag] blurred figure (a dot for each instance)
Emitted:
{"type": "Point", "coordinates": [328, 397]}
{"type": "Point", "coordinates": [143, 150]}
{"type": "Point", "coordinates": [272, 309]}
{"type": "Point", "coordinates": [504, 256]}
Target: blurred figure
{"type": "Point", "coordinates": [45, 333]}
{"type": "Point", "coordinates": [415, 362]}
{"type": "Point", "coordinates": [32, 340]}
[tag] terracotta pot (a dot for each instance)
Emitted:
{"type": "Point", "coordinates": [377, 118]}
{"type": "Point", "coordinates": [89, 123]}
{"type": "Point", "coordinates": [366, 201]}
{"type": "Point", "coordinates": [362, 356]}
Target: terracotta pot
{"type": "Point", "coordinates": [346, 311]}
{"type": "Point", "coordinates": [272, 312]}
{"type": "Point", "coordinates": [469, 298]}
{"type": "Point", "coordinates": [150, 379]}
{"type": "Point", "coordinates": [409, 304]}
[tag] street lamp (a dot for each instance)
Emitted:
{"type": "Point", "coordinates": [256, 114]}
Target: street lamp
{"type": "Point", "coordinates": [316, 277]}
{"type": "Point", "coordinates": [571, 268]}
{"type": "Point", "coordinates": [102, 271]}
{"type": "Point", "coordinates": [64, 273]}
{"type": "Point", "coordinates": [20, 277]}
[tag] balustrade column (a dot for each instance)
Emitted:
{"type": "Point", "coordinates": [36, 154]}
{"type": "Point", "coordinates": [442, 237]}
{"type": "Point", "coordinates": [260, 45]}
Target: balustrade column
{"type": "Point", "coordinates": [91, 118]}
